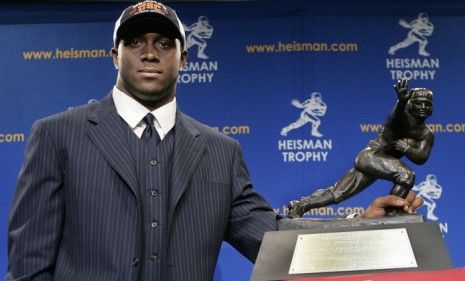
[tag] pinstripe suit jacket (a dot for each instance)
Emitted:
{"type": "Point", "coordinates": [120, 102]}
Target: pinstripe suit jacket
{"type": "Point", "coordinates": [76, 210]}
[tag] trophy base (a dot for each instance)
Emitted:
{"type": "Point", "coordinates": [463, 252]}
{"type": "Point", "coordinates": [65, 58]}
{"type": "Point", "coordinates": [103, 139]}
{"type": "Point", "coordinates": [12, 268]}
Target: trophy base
{"type": "Point", "coordinates": [302, 223]}
{"type": "Point", "coordinates": [337, 247]}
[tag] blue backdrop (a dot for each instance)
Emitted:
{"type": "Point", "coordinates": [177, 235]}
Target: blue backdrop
{"type": "Point", "coordinates": [247, 62]}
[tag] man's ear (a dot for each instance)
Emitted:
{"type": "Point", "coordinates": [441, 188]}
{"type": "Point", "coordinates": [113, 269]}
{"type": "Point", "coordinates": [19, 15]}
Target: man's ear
{"type": "Point", "coordinates": [183, 60]}
{"type": "Point", "coordinates": [114, 55]}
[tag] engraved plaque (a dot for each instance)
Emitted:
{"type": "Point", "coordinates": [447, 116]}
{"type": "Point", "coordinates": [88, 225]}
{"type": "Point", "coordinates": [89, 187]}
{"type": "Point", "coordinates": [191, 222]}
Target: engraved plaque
{"type": "Point", "coordinates": [352, 250]}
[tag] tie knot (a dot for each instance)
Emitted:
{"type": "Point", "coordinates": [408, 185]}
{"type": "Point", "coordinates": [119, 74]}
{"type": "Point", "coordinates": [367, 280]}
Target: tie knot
{"type": "Point", "coordinates": [149, 119]}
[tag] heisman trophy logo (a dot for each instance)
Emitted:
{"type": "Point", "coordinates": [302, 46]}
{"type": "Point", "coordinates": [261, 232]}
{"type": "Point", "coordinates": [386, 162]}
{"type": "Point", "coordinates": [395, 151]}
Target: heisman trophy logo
{"type": "Point", "coordinates": [312, 108]}
{"type": "Point", "coordinates": [203, 69]}
{"type": "Point", "coordinates": [429, 190]}
{"type": "Point", "coordinates": [306, 149]}
{"type": "Point", "coordinates": [421, 67]}
{"type": "Point", "coordinates": [420, 28]}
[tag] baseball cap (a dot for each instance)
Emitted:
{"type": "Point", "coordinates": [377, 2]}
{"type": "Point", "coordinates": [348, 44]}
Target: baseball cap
{"type": "Point", "coordinates": [148, 16]}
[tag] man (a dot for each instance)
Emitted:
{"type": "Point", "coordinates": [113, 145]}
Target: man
{"type": "Point", "coordinates": [404, 134]}
{"type": "Point", "coordinates": [105, 193]}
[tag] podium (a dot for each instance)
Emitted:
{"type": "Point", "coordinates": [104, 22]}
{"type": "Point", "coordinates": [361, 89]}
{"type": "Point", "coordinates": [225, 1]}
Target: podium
{"type": "Point", "coordinates": [303, 249]}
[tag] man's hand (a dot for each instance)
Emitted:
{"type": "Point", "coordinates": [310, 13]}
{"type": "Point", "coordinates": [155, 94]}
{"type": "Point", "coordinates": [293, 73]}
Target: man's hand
{"type": "Point", "coordinates": [378, 207]}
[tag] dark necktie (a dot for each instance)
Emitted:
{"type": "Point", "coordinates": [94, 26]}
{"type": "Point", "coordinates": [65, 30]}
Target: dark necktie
{"type": "Point", "coordinates": [150, 134]}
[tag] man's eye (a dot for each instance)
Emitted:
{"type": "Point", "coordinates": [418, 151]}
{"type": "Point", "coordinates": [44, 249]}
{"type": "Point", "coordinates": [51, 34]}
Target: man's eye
{"type": "Point", "coordinates": [164, 44]}
{"type": "Point", "coordinates": [135, 42]}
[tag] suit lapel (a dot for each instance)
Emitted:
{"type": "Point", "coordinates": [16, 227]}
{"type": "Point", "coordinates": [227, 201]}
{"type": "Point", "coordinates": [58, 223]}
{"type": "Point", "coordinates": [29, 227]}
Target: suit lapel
{"type": "Point", "coordinates": [109, 137]}
{"type": "Point", "coordinates": [188, 150]}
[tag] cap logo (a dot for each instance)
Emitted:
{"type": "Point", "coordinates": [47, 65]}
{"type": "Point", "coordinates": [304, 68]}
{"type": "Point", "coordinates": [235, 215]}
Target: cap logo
{"type": "Point", "coordinates": [148, 7]}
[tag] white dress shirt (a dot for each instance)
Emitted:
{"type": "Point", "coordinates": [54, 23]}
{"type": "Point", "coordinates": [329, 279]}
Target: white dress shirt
{"type": "Point", "coordinates": [133, 112]}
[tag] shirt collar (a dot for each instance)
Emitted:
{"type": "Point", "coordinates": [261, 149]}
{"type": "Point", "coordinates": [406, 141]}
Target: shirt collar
{"type": "Point", "coordinates": [133, 112]}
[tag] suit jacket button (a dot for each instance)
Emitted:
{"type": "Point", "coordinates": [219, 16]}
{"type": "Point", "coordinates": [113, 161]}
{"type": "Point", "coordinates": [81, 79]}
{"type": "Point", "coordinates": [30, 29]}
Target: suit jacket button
{"type": "Point", "coordinates": [153, 257]}
{"type": "Point", "coordinates": [153, 162]}
{"type": "Point", "coordinates": [135, 262]}
{"type": "Point", "coordinates": [154, 192]}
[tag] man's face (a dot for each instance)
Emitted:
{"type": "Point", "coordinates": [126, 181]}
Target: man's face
{"type": "Point", "coordinates": [421, 107]}
{"type": "Point", "coordinates": [148, 66]}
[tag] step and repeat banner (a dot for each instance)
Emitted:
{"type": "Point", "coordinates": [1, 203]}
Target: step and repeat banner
{"type": "Point", "coordinates": [303, 87]}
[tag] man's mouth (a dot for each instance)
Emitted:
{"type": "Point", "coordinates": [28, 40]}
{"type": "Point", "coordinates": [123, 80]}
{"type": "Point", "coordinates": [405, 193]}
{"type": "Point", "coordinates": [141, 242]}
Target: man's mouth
{"type": "Point", "coordinates": [150, 72]}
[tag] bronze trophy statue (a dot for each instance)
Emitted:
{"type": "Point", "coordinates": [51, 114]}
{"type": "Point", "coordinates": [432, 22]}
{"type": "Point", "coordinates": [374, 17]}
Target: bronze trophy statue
{"type": "Point", "coordinates": [404, 134]}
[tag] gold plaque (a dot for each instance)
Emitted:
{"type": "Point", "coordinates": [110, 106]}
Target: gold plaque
{"type": "Point", "coordinates": [352, 250]}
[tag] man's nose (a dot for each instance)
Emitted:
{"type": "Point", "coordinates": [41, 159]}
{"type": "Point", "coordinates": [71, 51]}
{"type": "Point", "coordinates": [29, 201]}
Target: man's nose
{"type": "Point", "coordinates": [150, 53]}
